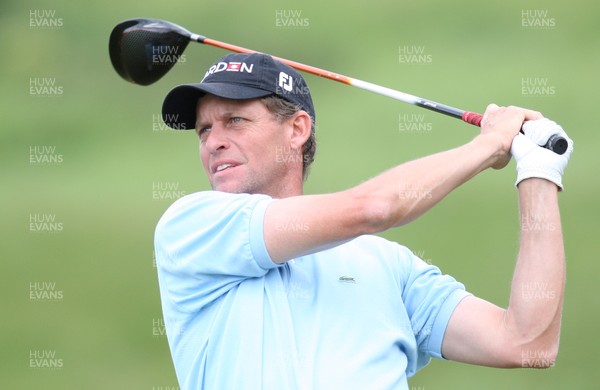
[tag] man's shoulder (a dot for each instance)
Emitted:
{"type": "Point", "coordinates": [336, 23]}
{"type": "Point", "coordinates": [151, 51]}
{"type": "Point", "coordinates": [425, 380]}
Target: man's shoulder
{"type": "Point", "coordinates": [208, 208]}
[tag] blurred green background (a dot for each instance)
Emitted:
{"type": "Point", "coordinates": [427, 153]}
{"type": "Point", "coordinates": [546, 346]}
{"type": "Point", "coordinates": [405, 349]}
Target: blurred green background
{"type": "Point", "coordinates": [89, 157]}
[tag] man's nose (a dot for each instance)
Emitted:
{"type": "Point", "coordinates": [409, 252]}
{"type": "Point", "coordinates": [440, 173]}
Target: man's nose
{"type": "Point", "coordinates": [217, 139]}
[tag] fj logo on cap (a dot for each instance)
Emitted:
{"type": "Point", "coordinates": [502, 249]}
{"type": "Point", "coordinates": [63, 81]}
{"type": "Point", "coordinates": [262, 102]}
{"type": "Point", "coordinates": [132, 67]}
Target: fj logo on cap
{"type": "Point", "coordinates": [285, 81]}
{"type": "Point", "coordinates": [229, 67]}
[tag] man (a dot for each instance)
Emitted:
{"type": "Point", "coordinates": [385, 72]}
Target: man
{"type": "Point", "coordinates": [263, 287]}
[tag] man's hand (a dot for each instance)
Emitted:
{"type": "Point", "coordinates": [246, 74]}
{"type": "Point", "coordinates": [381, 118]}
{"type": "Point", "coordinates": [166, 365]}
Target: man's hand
{"type": "Point", "coordinates": [503, 124]}
{"type": "Point", "coordinates": [535, 161]}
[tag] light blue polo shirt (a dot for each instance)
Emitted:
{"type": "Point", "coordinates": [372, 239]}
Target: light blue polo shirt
{"type": "Point", "coordinates": [365, 314]}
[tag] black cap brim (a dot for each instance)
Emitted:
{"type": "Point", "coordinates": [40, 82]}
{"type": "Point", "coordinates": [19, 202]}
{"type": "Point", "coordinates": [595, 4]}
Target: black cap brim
{"type": "Point", "coordinates": [180, 104]}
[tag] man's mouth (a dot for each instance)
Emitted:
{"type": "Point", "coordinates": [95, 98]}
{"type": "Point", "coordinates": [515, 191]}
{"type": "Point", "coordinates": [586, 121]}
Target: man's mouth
{"type": "Point", "coordinates": [223, 166]}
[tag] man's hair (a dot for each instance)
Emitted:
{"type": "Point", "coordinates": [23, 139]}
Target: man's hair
{"type": "Point", "coordinates": [283, 109]}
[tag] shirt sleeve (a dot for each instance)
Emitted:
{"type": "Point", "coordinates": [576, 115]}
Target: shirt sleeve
{"type": "Point", "coordinates": [207, 243]}
{"type": "Point", "coordinates": [430, 299]}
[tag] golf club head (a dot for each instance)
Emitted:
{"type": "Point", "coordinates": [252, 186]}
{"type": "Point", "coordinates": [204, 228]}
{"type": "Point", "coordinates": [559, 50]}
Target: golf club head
{"type": "Point", "coordinates": [144, 50]}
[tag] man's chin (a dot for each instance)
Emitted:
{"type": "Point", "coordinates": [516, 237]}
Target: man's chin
{"type": "Point", "coordinates": [232, 188]}
{"type": "Point", "coordinates": [229, 190]}
{"type": "Point", "coordinates": [237, 184]}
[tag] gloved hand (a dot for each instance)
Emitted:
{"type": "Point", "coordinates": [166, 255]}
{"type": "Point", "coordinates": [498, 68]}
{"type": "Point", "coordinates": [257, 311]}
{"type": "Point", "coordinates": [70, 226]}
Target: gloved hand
{"type": "Point", "coordinates": [532, 159]}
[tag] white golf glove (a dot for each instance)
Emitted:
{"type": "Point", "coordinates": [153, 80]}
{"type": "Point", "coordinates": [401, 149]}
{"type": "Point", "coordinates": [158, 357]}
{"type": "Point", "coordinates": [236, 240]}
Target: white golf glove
{"type": "Point", "coordinates": [533, 160]}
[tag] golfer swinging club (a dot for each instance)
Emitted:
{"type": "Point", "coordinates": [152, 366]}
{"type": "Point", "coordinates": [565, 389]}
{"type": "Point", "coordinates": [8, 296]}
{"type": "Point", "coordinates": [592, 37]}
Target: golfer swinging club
{"type": "Point", "coordinates": [263, 287]}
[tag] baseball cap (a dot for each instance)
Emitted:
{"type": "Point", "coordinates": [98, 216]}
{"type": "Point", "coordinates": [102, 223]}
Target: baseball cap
{"type": "Point", "coordinates": [237, 76]}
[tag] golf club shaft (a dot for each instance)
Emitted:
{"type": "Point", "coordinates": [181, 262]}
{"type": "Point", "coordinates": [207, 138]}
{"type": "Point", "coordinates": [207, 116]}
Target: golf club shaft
{"type": "Point", "coordinates": [469, 117]}
{"type": "Point", "coordinates": [556, 143]}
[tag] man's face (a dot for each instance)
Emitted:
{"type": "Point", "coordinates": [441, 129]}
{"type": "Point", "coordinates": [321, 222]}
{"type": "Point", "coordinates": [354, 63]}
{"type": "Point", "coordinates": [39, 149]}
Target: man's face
{"type": "Point", "coordinates": [239, 144]}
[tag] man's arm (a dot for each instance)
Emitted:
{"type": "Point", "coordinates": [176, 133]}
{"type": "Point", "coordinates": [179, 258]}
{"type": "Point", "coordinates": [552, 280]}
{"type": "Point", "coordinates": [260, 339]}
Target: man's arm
{"type": "Point", "coordinates": [526, 334]}
{"type": "Point", "coordinates": [300, 225]}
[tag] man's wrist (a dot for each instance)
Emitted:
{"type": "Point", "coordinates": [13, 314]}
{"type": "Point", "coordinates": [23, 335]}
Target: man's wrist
{"type": "Point", "coordinates": [491, 147]}
{"type": "Point", "coordinates": [537, 184]}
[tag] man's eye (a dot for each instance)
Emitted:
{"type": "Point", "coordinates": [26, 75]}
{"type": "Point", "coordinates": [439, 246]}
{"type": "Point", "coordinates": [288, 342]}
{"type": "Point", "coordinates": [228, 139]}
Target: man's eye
{"type": "Point", "coordinates": [202, 131]}
{"type": "Point", "coordinates": [235, 119]}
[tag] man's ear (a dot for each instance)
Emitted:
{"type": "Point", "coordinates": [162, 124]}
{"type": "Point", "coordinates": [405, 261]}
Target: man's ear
{"type": "Point", "coordinates": [301, 129]}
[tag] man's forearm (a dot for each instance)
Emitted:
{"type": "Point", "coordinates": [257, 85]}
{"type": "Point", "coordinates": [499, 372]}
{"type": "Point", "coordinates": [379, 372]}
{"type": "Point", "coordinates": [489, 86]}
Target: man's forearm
{"type": "Point", "coordinates": [536, 298]}
{"type": "Point", "coordinates": [407, 191]}
{"type": "Point", "coordinates": [390, 199]}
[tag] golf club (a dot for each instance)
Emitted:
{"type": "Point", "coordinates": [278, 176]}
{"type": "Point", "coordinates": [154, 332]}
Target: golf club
{"type": "Point", "coordinates": [144, 50]}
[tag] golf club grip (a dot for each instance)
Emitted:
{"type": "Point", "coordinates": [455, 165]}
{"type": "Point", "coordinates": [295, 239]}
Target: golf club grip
{"type": "Point", "coordinates": [556, 143]}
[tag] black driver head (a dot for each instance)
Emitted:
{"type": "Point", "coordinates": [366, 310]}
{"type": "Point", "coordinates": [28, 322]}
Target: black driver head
{"type": "Point", "coordinates": [144, 50]}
